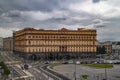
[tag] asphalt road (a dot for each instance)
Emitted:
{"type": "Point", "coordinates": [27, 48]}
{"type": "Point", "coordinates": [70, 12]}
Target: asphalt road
{"type": "Point", "coordinates": [94, 74]}
{"type": "Point", "coordinates": [37, 74]}
{"type": "Point", "coordinates": [9, 57]}
{"type": "Point", "coordinates": [6, 56]}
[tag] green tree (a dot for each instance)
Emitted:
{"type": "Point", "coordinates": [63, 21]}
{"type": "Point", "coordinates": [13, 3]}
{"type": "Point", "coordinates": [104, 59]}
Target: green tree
{"type": "Point", "coordinates": [57, 56]}
{"type": "Point", "coordinates": [33, 57]}
{"type": "Point", "coordinates": [101, 50]}
{"type": "Point", "coordinates": [6, 70]}
{"type": "Point", "coordinates": [2, 64]}
{"type": "Point", "coordinates": [118, 43]}
{"type": "Point", "coordinates": [50, 56]}
{"type": "Point", "coordinates": [68, 57]}
{"type": "Point", "coordinates": [85, 77]}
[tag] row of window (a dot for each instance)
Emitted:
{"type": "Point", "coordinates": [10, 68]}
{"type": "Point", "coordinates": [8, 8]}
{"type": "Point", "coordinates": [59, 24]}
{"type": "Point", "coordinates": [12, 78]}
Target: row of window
{"type": "Point", "coordinates": [56, 43]}
{"type": "Point", "coordinates": [60, 37]}
{"type": "Point", "coordinates": [49, 42]}
{"type": "Point", "coordinates": [57, 49]}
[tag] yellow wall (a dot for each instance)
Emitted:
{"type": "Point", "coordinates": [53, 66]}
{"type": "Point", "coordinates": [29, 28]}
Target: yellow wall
{"type": "Point", "coordinates": [51, 41]}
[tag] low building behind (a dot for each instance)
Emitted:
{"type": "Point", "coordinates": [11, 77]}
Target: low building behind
{"type": "Point", "coordinates": [1, 43]}
{"type": "Point", "coordinates": [7, 44]}
{"type": "Point", "coordinates": [106, 45]}
{"type": "Point", "coordinates": [116, 52]}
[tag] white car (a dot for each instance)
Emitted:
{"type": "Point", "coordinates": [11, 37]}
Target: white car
{"type": "Point", "coordinates": [77, 62]}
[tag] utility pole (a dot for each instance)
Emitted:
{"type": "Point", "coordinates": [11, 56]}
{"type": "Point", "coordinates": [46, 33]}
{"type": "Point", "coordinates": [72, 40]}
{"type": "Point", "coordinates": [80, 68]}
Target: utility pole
{"type": "Point", "coordinates": [105, 70]}
{"type": "Point", "coordinates": [75, 70]}
{"type": "Point", "coordinates": [75, 66]}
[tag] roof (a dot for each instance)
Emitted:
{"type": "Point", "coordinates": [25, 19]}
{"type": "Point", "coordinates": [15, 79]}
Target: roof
{"type": "Point", "coordinates": [104, 43]}
{"type": "Point", "coordinates": [115, 46]}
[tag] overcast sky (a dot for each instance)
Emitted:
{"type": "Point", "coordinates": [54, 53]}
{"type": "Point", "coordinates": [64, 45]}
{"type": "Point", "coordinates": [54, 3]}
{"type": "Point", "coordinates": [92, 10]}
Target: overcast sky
{"type": "Point", "coordinates": [103, 15]}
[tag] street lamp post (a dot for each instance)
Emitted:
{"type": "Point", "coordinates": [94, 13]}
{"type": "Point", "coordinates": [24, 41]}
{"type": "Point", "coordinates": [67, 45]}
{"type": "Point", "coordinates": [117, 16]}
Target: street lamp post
{"type": "Point", "coordinates": [33, 58]}
{"type": "Point", "coordinates": [105, 70]}
{"type": "Point", "coordinates": [75, 70]}
{"type": "Point", "coordinates": [105, 73]}
{"type": "Point", "coordinates": [75, 66]}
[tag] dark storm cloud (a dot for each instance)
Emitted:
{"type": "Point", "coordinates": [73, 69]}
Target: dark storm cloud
{"type": "Point", "coordinates": [54, 14]}
{"type": "Point", "coordinates": [35, 5]}
{"type": "Point", "coordinates": [60, 19]}
{"type": "Point", "coordinates": [27, 5]}
{"type": "Point", "coordinates": [95, 1]}
{"type": "Point", "coordinates": [14, 10]}
{"type": "Point", "coordinates": [99, 23]}
{"type": "Point", "coordinates": [73, 17]}
{"type": "Point", "coordinates": [13, 14]}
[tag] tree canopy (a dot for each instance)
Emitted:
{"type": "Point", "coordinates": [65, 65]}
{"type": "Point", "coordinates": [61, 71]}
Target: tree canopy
{"type": "Point", "coordinates": [5, 68]}
{"type": "Point", "coordinates": [101, 50]}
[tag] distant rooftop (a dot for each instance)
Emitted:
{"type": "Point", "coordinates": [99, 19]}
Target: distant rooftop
{"type": "Point", "coordinates": [115, 46]}
{"type": "Point", "coordinates": [58, 29]}
{"type": "Point", "coordinates": [104, 43]}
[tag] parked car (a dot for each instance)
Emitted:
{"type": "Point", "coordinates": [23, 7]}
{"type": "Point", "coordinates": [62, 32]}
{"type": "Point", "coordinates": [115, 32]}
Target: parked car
{"type": "Point", "coordinates": [26, 66]}
{"type": "Point", "coordinates": [77, 62]}
{"type": "Point", "coordinates": [46, 62]}
{"type": "Point", "coordinates": [64, 62]}
{"type": "Point", "coordinates": [71, 62]}
{"type": "Point", "coordinates": [95, 62]}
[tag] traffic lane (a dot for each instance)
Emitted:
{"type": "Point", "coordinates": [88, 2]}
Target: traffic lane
{"type": "Point", "coordinates": [37, 75]}
{"type": "Point", "coordinates": [69, 69]}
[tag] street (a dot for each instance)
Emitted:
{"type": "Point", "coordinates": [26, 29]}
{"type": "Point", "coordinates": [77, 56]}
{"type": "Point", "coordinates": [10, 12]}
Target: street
{"type": "Point", "coordinates": [94, 74]}
{"type": "Point", "coordinates": [16, 71]}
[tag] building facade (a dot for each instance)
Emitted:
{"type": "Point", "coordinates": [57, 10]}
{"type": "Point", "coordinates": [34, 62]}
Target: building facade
{"type": "Point", "coordinates": [81, 42]}
{"type": "Point", "coordinates": [107, 45]}
{"type": "Point", "coordinates": [115, 51]}
{"type": "Point", "coordinates": [1, 43]}
{"type": "Point", "coordinates": [7, 44]}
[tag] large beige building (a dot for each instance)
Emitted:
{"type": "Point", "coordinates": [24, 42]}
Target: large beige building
{"type": "Point", "coordinates": [81, 42]}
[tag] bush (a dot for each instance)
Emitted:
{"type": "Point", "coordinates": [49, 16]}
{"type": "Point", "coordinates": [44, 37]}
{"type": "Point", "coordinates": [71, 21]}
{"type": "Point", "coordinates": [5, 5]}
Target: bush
{"type": "Point", "coordinates": [99, 65]}
{"type": "Point", "coordinates": [85, 76]}
{"type": "Point", "coordinates": [5, 68]}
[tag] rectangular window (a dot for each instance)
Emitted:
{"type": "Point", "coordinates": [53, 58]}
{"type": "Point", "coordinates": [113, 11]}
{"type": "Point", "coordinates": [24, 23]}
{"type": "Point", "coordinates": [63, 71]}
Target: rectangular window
{"type": "Point", "coordinates": [29, 36]}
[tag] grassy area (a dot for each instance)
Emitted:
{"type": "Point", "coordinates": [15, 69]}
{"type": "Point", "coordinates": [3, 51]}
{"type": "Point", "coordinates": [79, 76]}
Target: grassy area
{"type": "Point", "coordinates": [52, 66]}
{"type": "Point", "coordinates": [99, 65]}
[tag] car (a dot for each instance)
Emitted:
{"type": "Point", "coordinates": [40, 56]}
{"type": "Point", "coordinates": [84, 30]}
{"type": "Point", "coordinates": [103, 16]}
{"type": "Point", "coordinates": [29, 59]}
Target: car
{"type": "Point", "coordinates": [64, 62]}
{"type": "Point", "coordinates": [26, 66]}
{"type": "Point", "coordinates": [46, 62]}
{"type": "Point", "coordinates": [77, 62]}
{"type": "Point", "coordinates": [71, 62]}
{"type": "Point", "coordinates": [95, 62]}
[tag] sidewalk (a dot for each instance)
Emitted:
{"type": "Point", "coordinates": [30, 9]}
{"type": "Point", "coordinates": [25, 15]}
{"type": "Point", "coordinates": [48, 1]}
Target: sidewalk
{"type": "Point", "coordinates": [26, 74]}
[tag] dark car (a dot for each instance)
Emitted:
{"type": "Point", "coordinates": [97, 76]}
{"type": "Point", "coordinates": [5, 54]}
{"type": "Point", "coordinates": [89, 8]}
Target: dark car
{"type": "Point", "coordinates": [46, 62]}
{"type": "Point", "coordinates": [26, 66]}
{"type": "Point", "coordinates": [64, 62]}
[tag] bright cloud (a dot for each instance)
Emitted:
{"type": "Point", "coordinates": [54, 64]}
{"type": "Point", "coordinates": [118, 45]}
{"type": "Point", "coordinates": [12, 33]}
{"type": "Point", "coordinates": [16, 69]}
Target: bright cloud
{"type": "Point", "coordinates": [103, 9]}
{"type": "Point", "coordinates": [103, 15]}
